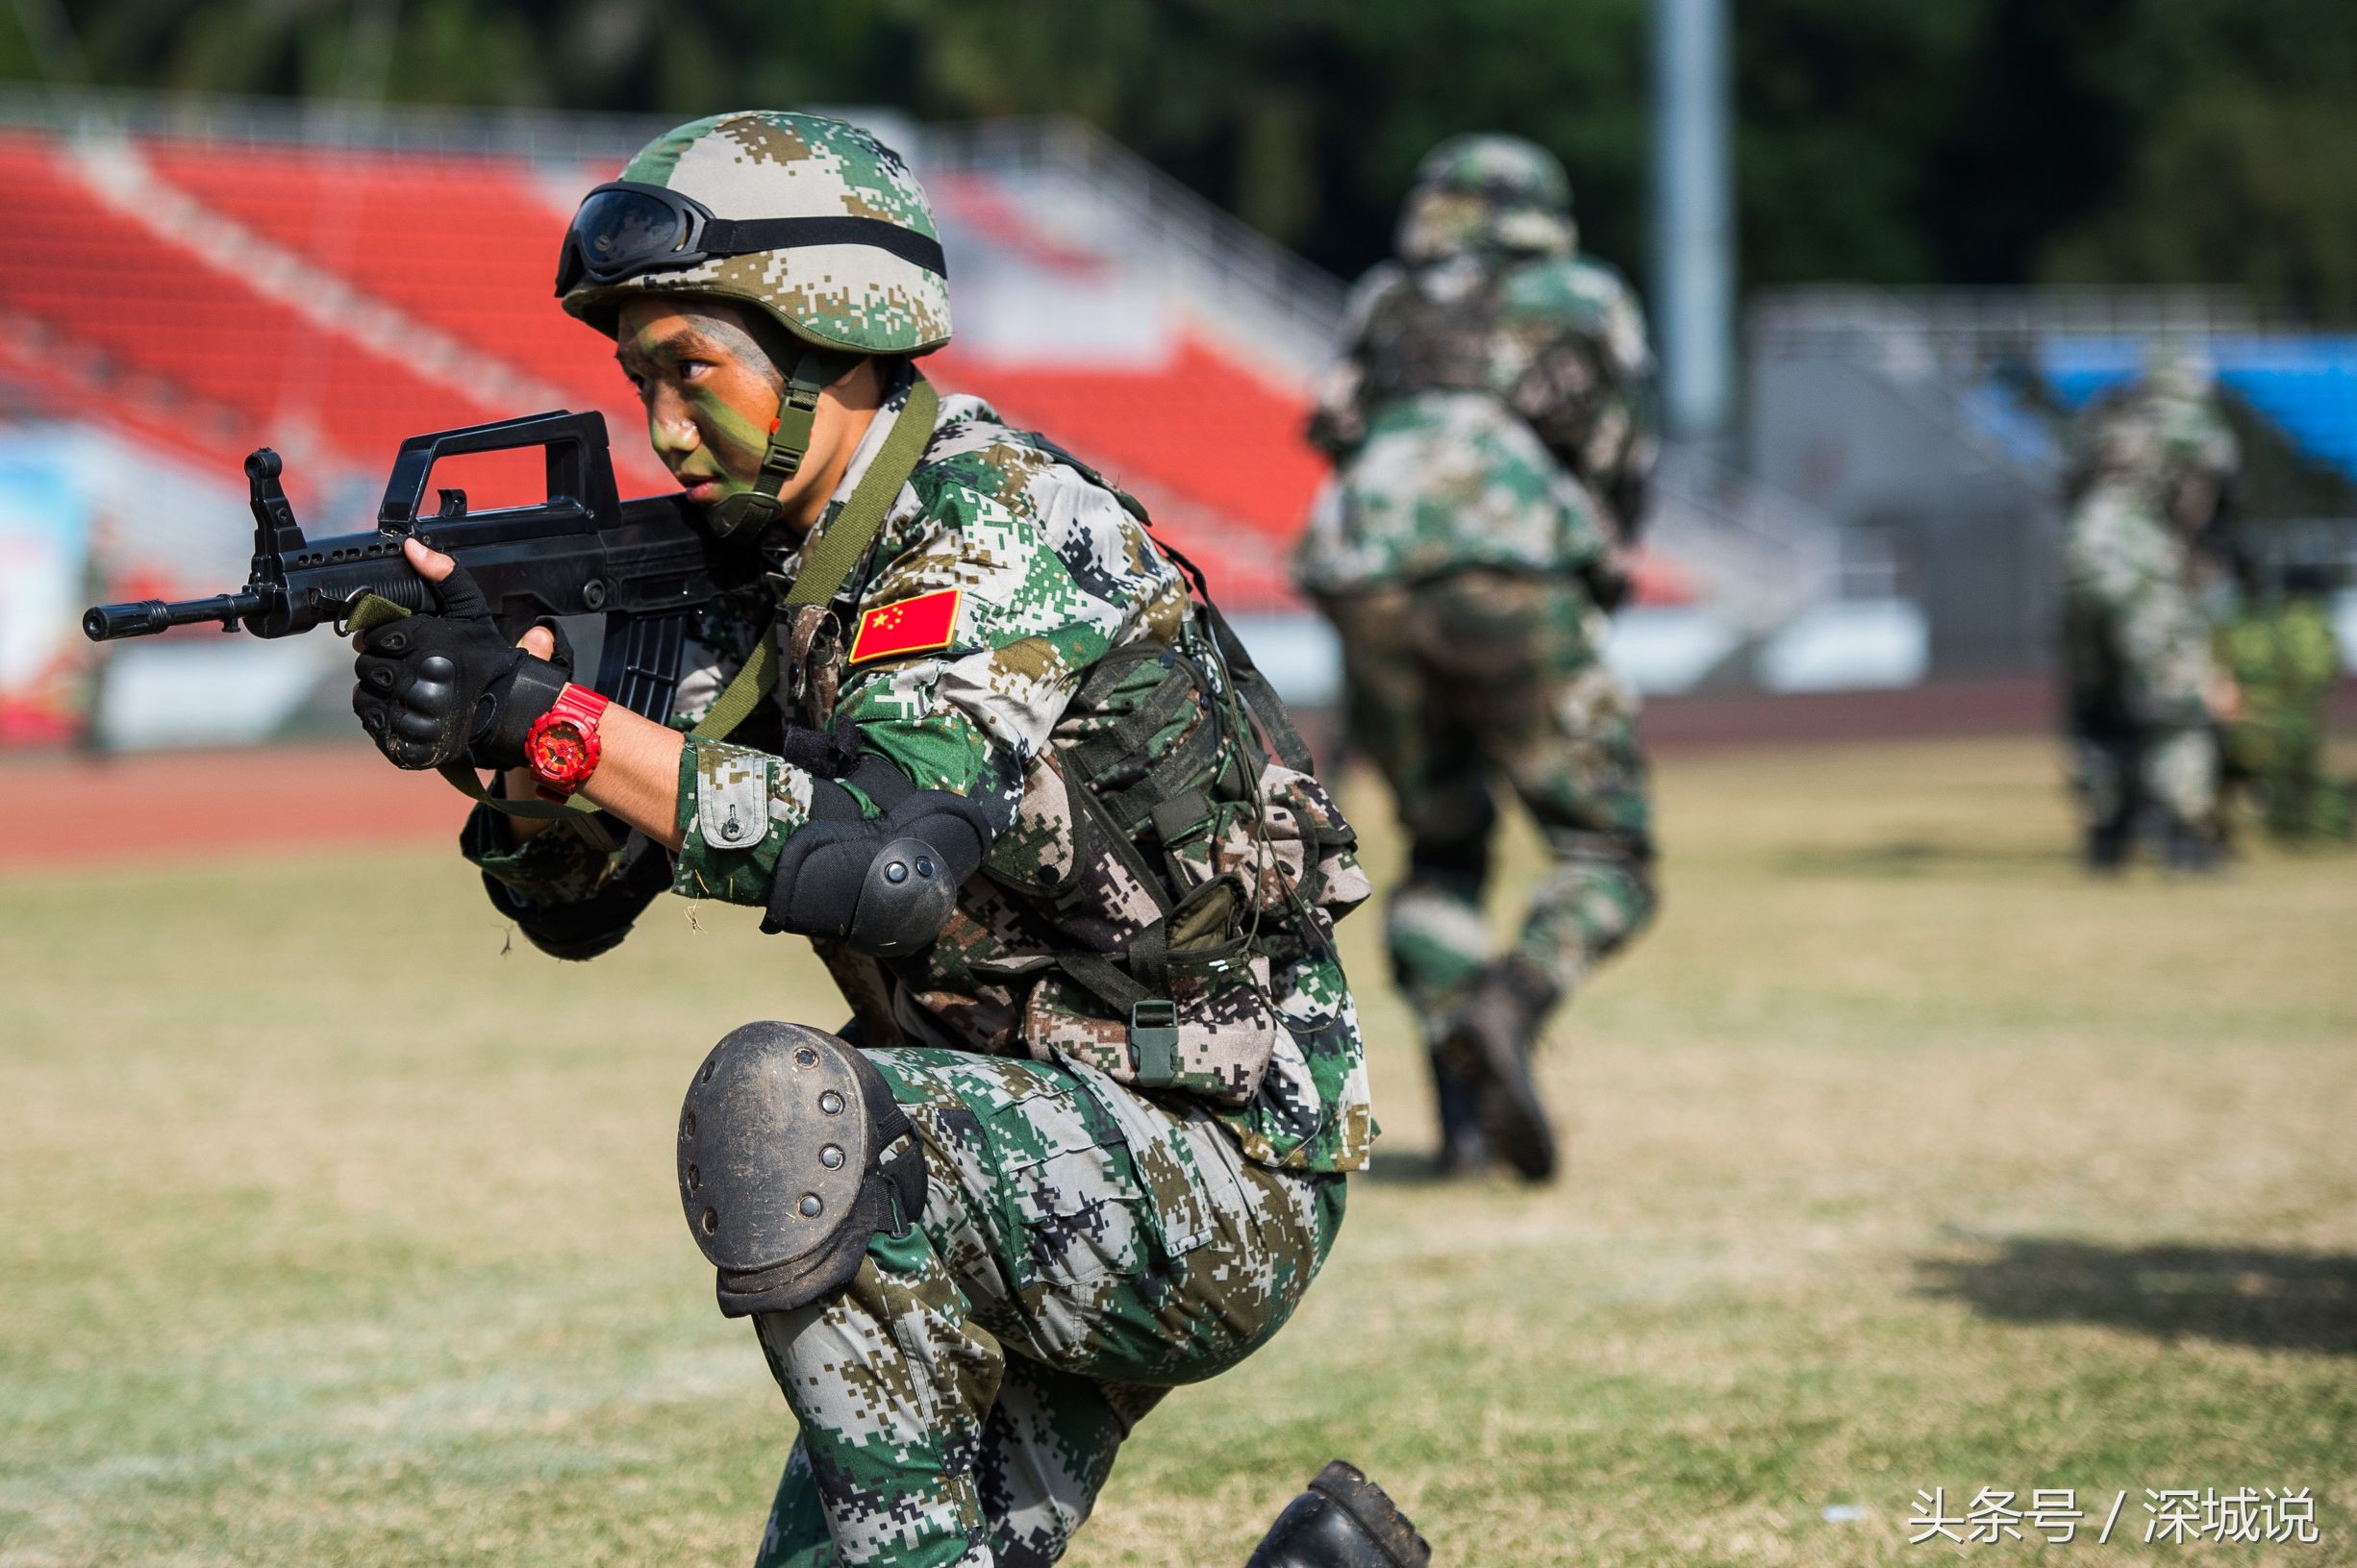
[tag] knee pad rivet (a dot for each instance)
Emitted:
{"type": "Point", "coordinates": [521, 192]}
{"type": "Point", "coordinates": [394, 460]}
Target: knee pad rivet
{"type": "Point", "coordinates": [711, 1221]}
{"type": "Point", "coordinates": [831, 1158]}
{"type": "Point", "coordinates": [809, 1205]}
{"type": "Point", "coordinates": [806, 1057]}
{"type": "Point", "coordinates": [830, 1103]}
{"type": "Point", "coordinates": [695, 1180]}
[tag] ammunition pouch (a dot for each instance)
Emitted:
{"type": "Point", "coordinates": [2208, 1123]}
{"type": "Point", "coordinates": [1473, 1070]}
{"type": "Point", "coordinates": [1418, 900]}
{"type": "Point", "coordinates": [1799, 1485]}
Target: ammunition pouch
{"type": "Point", "coordinates": [1181, 859]}
{"type": "Point", "coordinates": [793, 1156]}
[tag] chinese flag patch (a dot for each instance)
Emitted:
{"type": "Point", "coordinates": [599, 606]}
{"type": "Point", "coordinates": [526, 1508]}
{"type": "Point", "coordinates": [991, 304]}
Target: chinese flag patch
{"type": "Point", "coordinates": [912, 626]}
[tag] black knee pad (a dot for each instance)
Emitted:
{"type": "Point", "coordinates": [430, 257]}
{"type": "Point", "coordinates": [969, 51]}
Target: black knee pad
{"type": "Point", "coordinates": [793, 1156]}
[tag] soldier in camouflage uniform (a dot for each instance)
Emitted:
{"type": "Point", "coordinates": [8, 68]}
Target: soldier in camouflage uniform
{"type": "Point", "coordinates": [2142, 691]}
{"type": "Point", "coordinates": [1107, 1084]}
{"type": "Point", "coordinates": [1492, 419]}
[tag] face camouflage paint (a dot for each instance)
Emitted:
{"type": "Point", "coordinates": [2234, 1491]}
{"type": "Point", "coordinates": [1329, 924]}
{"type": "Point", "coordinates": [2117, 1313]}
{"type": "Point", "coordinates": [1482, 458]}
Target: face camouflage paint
{"type": "Point", "coordinates": [710, 390]}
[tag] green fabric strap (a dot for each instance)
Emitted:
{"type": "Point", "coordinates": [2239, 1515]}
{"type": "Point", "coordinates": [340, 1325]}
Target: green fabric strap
{"type": "Point", "coordinates": [827, 559]}
{"type": "Point", "coordinates": [828, 556]}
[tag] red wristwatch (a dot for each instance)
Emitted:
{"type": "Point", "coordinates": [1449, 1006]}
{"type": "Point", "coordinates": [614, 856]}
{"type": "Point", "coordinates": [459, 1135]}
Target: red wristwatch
{"type": "Point", "coordinates": [562, 746]}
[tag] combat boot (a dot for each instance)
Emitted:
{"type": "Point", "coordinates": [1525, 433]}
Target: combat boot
{"type": "Point", "coordinates": [1342, 1521]}
{"type": "Point", "coordinates": [1464, 1150]}
{"type": "Point", "coordinates": [2190, 851]}
{"type": "Point", "coordinates": [2107, 847]}
{"type": "Point", "coordinates": [1489, 1045]}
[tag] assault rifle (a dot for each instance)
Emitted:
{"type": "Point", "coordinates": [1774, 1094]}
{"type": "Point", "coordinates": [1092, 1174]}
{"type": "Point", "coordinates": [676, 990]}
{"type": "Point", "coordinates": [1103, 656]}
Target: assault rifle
{"type": "Point", "coordinates": [646, 565]}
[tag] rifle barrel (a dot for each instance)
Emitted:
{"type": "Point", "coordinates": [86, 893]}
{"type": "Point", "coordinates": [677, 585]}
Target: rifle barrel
{"type": "Point", "coordinates": [105, 623]}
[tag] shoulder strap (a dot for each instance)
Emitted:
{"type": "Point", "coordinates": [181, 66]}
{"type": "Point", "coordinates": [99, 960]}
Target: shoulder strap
{"type": "Point", "coordinates": [829, 555]}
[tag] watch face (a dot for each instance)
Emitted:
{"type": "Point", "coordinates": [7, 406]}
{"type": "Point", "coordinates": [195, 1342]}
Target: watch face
{"type": "Point", "coordinates": [562, 753]}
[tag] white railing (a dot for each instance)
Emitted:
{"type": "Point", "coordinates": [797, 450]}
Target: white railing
{"type": "Point", "coordinates": [1923, 329]}
{"type": "Point", "coordinates": [1241, 286]}
{"type": "Point", "coordinates": [545, 135]}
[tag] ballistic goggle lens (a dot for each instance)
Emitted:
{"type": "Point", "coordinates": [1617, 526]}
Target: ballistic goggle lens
{"type": "Point", "coordinates": [617, 233]}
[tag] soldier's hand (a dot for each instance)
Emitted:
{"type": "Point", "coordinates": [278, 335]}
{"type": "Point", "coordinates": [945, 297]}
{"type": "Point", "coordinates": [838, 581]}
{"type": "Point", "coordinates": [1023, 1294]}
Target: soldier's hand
{"type": "Point", "coordinates": [446, 684]}
{"type": "Point", "coordinates": [2224, 699]}
{"type": "Point", "coordinates": [1611, 579]}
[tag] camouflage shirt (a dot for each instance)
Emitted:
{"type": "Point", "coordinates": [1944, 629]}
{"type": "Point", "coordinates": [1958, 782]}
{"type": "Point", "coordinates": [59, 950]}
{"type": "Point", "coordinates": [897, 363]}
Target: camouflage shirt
{"type": "Point", "coordinates": [2137, 646]}
{"type": "Point", "coordinates": [1053, 575]}
{"type": "Point", "coordinates": [1490, 408]}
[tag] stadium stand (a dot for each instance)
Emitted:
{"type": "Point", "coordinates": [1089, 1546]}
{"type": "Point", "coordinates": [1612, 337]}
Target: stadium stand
{"type": "Point", "coordinates": [103, 282]}
{"type": "Point", "coordinates": [192, 281]}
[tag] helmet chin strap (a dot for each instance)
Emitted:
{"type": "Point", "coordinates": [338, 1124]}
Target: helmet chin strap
{"type": "Point", "coordinates": [747, 514]}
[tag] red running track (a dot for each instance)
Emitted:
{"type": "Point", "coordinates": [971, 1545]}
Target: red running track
{"type": "Point", "coordinates": [337, 794]}
{"type": "Point", "coordinates": [64, 809]}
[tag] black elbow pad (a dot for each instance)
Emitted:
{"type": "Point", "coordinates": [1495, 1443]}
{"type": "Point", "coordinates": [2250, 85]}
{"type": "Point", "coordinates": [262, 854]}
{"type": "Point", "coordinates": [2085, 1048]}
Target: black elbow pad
{"type": "Point", "coordinates": [884, 887]}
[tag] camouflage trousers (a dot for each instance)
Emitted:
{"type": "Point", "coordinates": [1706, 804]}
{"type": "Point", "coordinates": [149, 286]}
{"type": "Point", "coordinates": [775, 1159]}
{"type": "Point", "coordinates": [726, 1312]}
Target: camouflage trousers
{"type": "Point", "coordinates": [1481, 676]}
{"type": "Point", "coordinates": [1081, 1251]}
{"type": "Point", "coordinates": [2156, 778]}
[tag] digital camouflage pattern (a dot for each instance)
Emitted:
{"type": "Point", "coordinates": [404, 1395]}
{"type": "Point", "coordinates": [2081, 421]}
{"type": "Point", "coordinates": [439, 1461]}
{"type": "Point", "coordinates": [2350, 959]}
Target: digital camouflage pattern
{"type": "Point", "coordinates": [1493, 405]}
{"type": "Point", "coordinates": [1483, 674]}
{"type": "Point", "coordinates": [2156, 431]}
{"type": "Point", "coordinates": [1058, 577]}
{"type": "Point", "coordinates": [2283, 659]}
{"type": "Point", "coordinates": [1493, 420]}
{"type": "Point", "coordinates": [1081, 1251]}
{"type": "Point", "coordinates": [1485, 190]}
{"type": "Point", "coordinates": [1082, 1247]}
{"type": "Point", "coordinates": [2136, 644]}
{"type": "Point", "coordinates": [2137, 658]}
{"type": "Point", "coordinates": [775, 165]}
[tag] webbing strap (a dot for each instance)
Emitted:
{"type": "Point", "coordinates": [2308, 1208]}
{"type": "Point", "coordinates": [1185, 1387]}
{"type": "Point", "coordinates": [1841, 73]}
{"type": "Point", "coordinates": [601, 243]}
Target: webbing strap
{"type": "Point", "coordinates": [1129, 736]}
{"type": "Point", "coordinates": [829, 555]}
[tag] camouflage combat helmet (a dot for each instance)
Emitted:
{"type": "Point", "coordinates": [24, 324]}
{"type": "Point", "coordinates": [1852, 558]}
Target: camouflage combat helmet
{"type": "Point", "coordinates": [1488, 191]}
{"type": "Point", "coordinates": [2164, 427]}
{"type": "Point", "coordinates": [811, 221]}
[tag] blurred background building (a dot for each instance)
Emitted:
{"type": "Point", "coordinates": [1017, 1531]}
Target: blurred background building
{"type": "Point", "coordinates": [323, 227]}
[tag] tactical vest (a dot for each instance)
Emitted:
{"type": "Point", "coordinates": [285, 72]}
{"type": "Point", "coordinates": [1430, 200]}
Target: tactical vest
{"type": "Point", "coordinates": [1170, 846]}
{"type": "Point", "coordinates": [1414, 342]}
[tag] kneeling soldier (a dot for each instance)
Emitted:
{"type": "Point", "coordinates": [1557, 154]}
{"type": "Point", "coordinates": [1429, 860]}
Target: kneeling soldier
{"type": "Point", "coordinates": [1086, 1135]}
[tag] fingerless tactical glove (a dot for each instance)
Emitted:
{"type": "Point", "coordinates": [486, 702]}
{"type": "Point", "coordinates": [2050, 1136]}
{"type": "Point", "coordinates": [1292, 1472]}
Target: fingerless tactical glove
{"type": "Point", "coordinates": [437, 687]}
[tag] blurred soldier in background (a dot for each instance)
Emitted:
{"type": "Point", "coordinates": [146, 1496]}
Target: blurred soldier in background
{"type": "Point", "coordinates": [2151, 468]}
{"type": "Point", "coordinates": [2280, 651]}
{"type": "Point", "coordinates": [1492, 419]}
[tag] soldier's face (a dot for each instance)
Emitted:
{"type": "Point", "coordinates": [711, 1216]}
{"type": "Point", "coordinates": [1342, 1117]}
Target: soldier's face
{"type": "Point", "coordinates": [709, 389]}
{"type": "Point", "coordinates": [710, 393]}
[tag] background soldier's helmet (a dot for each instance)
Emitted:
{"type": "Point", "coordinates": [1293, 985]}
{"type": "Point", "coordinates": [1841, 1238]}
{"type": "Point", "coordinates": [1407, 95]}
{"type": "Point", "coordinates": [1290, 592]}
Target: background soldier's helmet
{"type": "Point", "coordinates": [2166, 425]}
{"type": "Point", "coordinates": [1492, 191]}
{"type": "Point", "coordinates": [850, 254]}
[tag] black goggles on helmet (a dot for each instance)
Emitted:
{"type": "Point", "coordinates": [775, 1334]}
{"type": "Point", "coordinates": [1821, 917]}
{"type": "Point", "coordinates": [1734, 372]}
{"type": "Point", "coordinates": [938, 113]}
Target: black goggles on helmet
{"type": "Point", "coordinates": [624, 229]}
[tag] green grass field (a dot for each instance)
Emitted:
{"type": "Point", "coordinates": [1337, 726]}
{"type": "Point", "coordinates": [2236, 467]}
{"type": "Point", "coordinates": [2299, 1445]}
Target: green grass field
{"type": "Point", "coordinates": [1901, 1155]}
